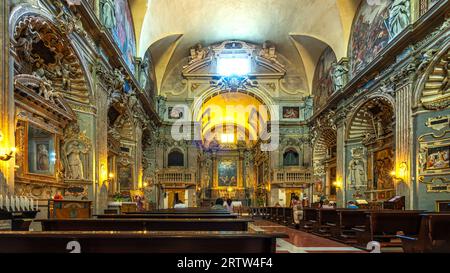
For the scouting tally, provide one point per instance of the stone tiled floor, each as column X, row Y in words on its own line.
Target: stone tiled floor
column 302, row 242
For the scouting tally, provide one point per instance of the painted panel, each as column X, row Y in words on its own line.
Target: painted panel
column 370, row 34
column 227, row 173
column 323, row 83
column 123, row 32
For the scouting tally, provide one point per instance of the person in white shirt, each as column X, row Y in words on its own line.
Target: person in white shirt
column 229, row 205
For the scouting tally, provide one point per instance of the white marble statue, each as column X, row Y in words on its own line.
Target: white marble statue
column 399, row 13
column 197, row 54
column 269, row 53
column 75, row 164
column 357, row 173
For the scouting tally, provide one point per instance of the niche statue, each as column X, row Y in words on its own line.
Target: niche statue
column 398, row 16
column 108, row 16
column 74, row 151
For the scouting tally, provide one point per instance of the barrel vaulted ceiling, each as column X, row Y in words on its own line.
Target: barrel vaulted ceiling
column 301, row 29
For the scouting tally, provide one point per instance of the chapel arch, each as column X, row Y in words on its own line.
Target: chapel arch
column 371, row 149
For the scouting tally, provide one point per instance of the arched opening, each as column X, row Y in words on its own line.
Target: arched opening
column 291, row 158
column 324, row 160
column 175, row 159
column 370, row 145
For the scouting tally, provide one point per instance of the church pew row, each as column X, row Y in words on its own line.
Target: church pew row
column 167, row 216
column 383, row 226
column 326, row 218
column 424, row 232
column 139, row 242
column 342, row 229
column 145, row 224
column 434, row 235
column 310, row 218
column 183, row 211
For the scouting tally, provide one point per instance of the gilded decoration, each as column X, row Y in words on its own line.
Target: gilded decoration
column 41, row 52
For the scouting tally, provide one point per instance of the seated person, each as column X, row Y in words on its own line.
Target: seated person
column 219, row 204
column 179, row 205
column 352, row 205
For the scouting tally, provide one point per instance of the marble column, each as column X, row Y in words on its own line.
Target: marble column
column 404, row 143
column 341, row 177
column 240, row 181
column 6, row 98
column 215, row 178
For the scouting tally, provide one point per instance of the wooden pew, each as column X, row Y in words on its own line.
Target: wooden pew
column 383, row 225
column 279, row 215
column 145, row 224
column 166, row 216
column 272, row 214
column 183, row 211
column 347, row 220
column 434, row 235
column 310, row 217
column 140, row 242
column 288, row 216
column 325, row 219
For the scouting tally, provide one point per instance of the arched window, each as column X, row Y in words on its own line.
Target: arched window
column 291, row 158
column 176, row 159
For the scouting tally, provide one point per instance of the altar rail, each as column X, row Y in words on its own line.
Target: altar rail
column 293, row 176
column 176, row 176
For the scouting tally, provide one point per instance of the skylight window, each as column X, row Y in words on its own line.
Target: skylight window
column 233, row 66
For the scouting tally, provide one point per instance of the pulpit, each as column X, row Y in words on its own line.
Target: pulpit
column 63, row 209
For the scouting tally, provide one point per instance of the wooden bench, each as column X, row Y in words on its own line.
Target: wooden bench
column 325, row 220
column 310, row 217
column 166, row 216
column 139, row 242
column 434, row 235
column 183, row 211
column 383, row 226
column 288, row 216
column 145, row 224
column 347, row 220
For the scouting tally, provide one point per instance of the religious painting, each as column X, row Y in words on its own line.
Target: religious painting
column 125, row 177
column 227, row 173
column 383, row 167
column 123, row 32
column 41, row 152
column 323, row 82
column 433, row 156
column 176, row 112
column 291, row 112
column 438, row 158
column 370, row 34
